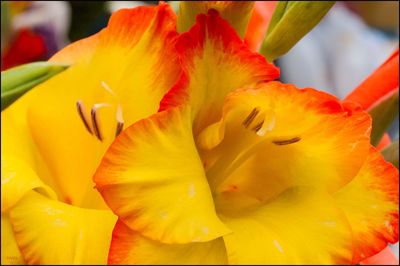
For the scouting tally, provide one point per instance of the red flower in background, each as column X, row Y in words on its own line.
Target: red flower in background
column 26, row 47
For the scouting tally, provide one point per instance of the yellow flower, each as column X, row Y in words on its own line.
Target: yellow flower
column 237, row 170
column 233, row 168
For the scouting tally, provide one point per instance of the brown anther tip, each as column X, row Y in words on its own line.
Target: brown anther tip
column 95, row 124
column 286, row 142
column 120, row 126
column 258, row 126
column 80, row 107
column 246, row 123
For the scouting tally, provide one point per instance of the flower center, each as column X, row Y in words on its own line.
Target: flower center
column 234, row 151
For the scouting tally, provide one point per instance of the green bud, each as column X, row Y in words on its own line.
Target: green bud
column 291, row 21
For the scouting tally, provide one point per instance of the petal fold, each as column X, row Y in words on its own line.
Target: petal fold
column 51, row 232
column 129, row 247
column 153, row 179
column 371, row 204
column 17, row 179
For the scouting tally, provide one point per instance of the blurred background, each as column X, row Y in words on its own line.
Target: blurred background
column 351, row 41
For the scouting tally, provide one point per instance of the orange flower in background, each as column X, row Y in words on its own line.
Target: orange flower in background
column 258, row 24
column 190, row 154
column 383, row 82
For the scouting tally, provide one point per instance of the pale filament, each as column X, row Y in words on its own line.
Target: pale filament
column 119, row 115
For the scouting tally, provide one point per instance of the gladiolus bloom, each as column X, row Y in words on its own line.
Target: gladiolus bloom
column 201, row 156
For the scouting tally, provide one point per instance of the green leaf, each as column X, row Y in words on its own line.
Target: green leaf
column 383, row 113
column 291, row 21
column 17, row 81
column 391, row 153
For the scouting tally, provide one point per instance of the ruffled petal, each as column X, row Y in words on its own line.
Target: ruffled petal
column 129, row 247
column 300, row 226
column 371, row 204
column 277, row 136
column 17, row 179
column 215, row 61
column 132, row 65
column 51, row 232
column 153, row 179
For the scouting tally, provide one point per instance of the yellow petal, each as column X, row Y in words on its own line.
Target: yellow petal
column 129, row 247
column 277, row 136
column 237, row 13
column 17, row 179
column 301, row 226
column 51, row 232
column 134, row 58
column 371, row 204
column 16, row 141
column 215, row 61
column 153, row 179
column 10, row 254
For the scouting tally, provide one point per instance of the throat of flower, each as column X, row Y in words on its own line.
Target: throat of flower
column 234, row 152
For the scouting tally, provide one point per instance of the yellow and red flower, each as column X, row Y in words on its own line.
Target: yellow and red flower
column 201, row 157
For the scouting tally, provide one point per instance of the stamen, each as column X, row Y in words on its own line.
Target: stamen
column 286, row 142
column 246, row 123
column 257, row 127
column 94, row 119
column 120, row 120
column 107, row 88
column 81, row 111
